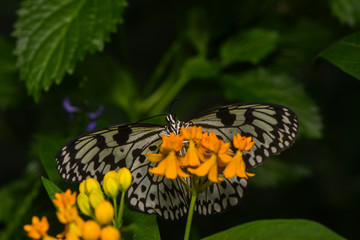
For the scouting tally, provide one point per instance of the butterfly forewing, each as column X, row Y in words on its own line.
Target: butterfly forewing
column 96, row 153
column 273, row 127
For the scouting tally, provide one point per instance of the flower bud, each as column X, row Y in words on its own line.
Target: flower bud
column 110, row 233
column 111, row 174
column 90, row 185
column 91, row 230
column 82, row 186
column 83, row 202
column 96, row 197
column 124, row 179
column 111, row 187
column 104, row 212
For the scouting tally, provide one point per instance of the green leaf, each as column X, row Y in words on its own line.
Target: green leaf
column 50, row 188
column 139, row 226
column 250, row 46
column 199, row 67
column 297, row 229
column 345, row 54
column 260, row 85
column 347, row 11
column 53, row 35
column 48, row 147
column 300, row 44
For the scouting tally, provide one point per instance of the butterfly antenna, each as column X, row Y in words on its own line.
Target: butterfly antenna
column 172, row 104
column 142, row 120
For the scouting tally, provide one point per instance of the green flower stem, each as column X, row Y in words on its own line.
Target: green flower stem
column 115, row 209
column 121, row 211
column 190, row 214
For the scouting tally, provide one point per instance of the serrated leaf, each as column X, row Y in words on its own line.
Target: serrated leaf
column 140, row 226
column 54, row 35
column 296, row 229
column 50, row 187
column 347, row 11
column 345, row 54
column 260, row 85
column 250, row 46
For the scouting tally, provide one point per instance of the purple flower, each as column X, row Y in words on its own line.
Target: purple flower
column 93, row 117
column 70, row 109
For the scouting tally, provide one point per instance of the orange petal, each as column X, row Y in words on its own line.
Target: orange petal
column 155, row 157
column 213, row 174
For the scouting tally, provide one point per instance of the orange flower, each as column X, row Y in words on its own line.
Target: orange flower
column 38, row 228
column 62, row 200
column 73, row 230
column 65, row 202
column 171, row 143
column 67, row 215
column 217, row 147
column 194, row 152
column 242, row 143
column 217, row 156
column 237, row 165
column 169, row 165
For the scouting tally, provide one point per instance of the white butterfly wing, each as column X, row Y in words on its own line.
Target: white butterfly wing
column 273, row 128
column 96, row 153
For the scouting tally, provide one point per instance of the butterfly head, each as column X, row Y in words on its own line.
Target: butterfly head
column 174, row 124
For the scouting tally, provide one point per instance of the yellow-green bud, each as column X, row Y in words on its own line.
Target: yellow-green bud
column 83, row 202
column 96, row 196
column 104, row 212
column 82, row 186
column 110, row 174
column 124, row 179
column 110, row 233
column 111, row 187
column 90, row 185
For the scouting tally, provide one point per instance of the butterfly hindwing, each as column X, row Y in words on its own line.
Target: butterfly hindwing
column 219, row 197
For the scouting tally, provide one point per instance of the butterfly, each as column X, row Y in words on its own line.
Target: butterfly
column 273, row 128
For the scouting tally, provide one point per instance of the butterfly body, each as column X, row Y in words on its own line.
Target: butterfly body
column 273, row 128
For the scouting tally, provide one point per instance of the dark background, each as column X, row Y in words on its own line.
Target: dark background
column 327, row 191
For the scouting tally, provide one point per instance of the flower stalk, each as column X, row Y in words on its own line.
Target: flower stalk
column 194, row 194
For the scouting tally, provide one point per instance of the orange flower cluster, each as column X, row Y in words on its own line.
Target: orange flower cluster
column 106, row 220
column 75, row 227
column 201, row 154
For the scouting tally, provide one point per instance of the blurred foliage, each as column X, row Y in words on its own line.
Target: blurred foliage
column 135, row 58
column 345, row 54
